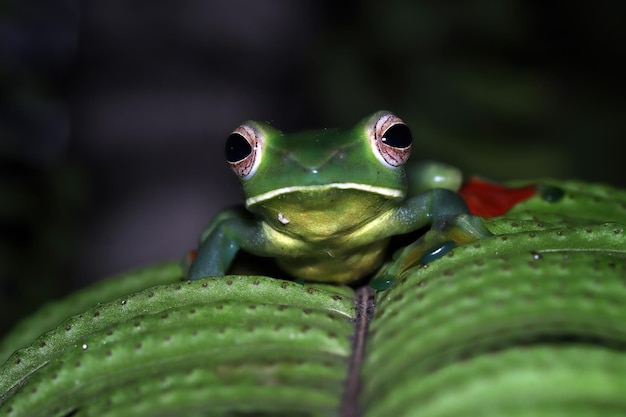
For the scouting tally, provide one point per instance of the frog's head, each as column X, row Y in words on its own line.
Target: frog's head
column 342, row 178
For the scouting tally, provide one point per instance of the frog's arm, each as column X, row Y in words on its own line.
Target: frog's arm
column 443, row 210
column 451, row 225
column 220, row 241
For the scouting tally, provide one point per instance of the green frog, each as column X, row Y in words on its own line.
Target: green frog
column 325, row 203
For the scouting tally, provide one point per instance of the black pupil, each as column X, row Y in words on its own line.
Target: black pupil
column 237, row 148
column 398, row 136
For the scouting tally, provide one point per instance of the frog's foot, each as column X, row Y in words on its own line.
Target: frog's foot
column 442, row 238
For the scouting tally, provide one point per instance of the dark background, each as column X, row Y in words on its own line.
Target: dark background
column 113, row 113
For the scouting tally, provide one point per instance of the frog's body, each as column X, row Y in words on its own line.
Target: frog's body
column 325, row 203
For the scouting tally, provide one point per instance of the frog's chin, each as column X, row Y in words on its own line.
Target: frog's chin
column 386, row 192
column 322, row 213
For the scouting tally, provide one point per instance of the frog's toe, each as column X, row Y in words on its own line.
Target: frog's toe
column 465, row 228
column 428, row 248
column 437, row 251
column 382, row 282
column 458, row 231
column 438, row 241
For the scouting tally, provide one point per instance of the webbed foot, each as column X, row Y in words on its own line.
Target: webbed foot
column 434, row 244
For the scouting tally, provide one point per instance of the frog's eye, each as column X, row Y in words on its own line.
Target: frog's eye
column 243, row 150
column 391, row 140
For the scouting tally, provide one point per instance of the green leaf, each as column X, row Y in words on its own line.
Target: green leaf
column 286, row 343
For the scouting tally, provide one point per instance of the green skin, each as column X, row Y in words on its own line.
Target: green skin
column 325, row 203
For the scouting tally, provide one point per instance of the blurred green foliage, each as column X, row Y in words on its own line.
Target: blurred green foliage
column 41, row 191
column 507, row 89
column 37, row 227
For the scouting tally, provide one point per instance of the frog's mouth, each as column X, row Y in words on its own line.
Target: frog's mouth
column 391, row 193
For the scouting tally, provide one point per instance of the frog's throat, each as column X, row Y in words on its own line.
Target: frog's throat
column 384, row 191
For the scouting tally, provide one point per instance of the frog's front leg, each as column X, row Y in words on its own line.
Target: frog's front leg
column 451, row 224
column 230, row 231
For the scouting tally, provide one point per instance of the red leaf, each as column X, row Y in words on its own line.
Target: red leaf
column 487, row 199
